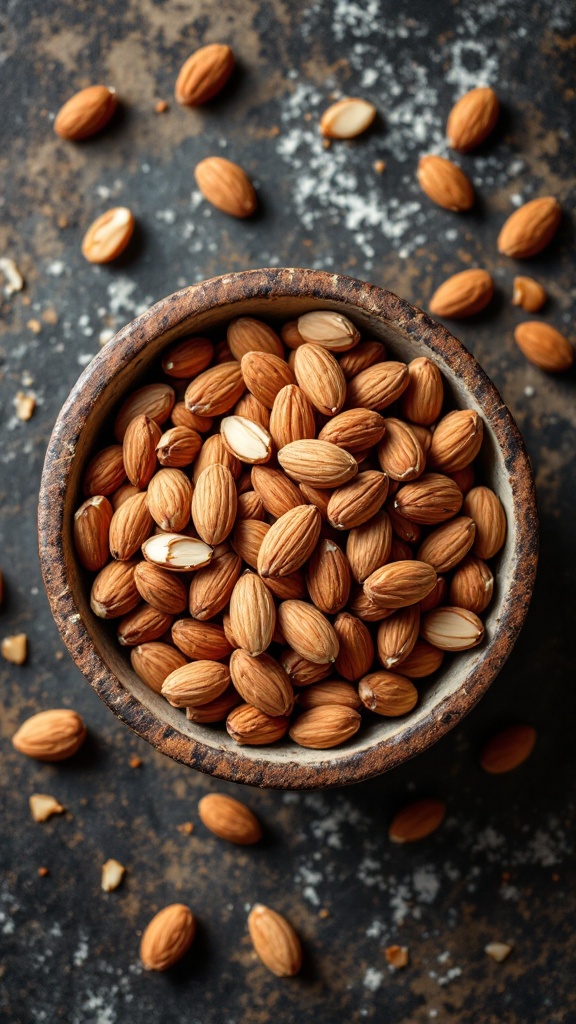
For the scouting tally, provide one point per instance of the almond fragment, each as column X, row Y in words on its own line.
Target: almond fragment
column 204, row 74
column 328, row 577
column 530, row 228
column 445, row 183
column 50, row 735
column 91, row 525
column 400, row 453
column 229, row 819
column 472, row 119
column 463, row 294
column 456, row 441
column 248, row 441
column 153, row 400
column 347, row 118
column 318, row 463
column 529, row 294
column 252, row 616
column 290, row 541
column 262, row 682
column 195, row 683
column 275, row 941
column 188, row 358
column 355, row 647
column 129, row 527
column 167, row 937
column 201, row 640
column 153, row 662
column 320, row 377
column 333, row 691
column 448, row 544
column 369, row 546
column 356, row 430
column 308, row 631
column 508, row 749
column 43, row 806
column 544, row 346
column 378, row 386
column 400, row 583
column 245, row 334
column 397, row 956
column 86, row 113
column 422, row 400
column 226, row 186
column 472, row 585
column 417, row 821
column 452, row 629
column 216, row 390
column 329, row 329
column 214, row 504
column 325, row 726
column 498, row 951
column 388, row 694
column 250, row 727
column 112, row 874
column 176, row 552
column 357, row 501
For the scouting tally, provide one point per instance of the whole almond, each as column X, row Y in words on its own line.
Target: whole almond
column 153, row 400
column 50, row 735
column 399, row 584
column 129, row 527
column 448, row 544
column 247, row 539
column 248, row 441
column 463, row 294
column 445, row 183
column 456, row 441
column 388, row 694
column 177, row 552
column 366, row 607
column 161, row 589
column 347, row 118
column 108, row 235
column 329, row 329
column 472, row 119
column 216, row 710
column 215, row 453
column 544, row 346
column 152, row 662
column 250, row 727
column 178, row 447
column 216, row 390
column 318, row 463
column 356, row 649
column 368, row 546
column 508, row 749
column 397, row 636
column 262, row 682
column 316, row 496
column 292, row 416
column 357, row 501
column 252, row 616
column 400, row 453
column 139, row 450
column 290, row 541
column 355, row 430
column 245, row 334
column 301, row 671
column 485, row 508
column 265, row 375
column 91, row 526
column 422, row 400
column 377, row 386
column 169, row 498
column 275, row 941
column 328, row 577
column 105, row 472
column 277, row 493
column 188, row 358
column 423, row 660
column 333, row 691
column 212, row 586
column 195, row 683
column 250, row 506
column 325, row 726
column 472, row 585
column 143, row 625
column 463, row 478
column 214, row 504
column 203, row 75
column 182, row 417
column 229, row 819
column 226, row 186
column 86, row 113
column 252, row 409
column 417, row 820
column 363, row 355
column 113, row 591
column 320, row 377
column 528, row 293
column 431, row 499
column 530, row 228
column 167, row 937
column 201, row 640
column 308, row 631
column 291, row 335
column 405, row 529
column 452, row 629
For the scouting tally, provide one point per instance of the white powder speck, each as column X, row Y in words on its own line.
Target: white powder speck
column 375, row 930
column 529, row 391
column 168, row 216
column 80, row 954
column 55, row 268
column 84, row 358
column 373, row 979
column 426, row 884
column 451, row 974
column 511, row 893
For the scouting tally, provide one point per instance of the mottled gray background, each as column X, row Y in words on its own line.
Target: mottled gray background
column 501, row 866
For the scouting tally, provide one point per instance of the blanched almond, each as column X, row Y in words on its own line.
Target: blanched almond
column 329, row 329
column 452, row 629
column 247, row 440
column 176, row 552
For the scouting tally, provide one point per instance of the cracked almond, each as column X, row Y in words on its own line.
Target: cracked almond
column 528, row 293
column 452, row 629
column 108, row 235
column 347, row 118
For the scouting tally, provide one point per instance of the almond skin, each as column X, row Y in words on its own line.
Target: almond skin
column 463, row 294
column 161, row 589
column 108, row 235
column 400, row 583
column 417, row 820
column 456, row 441
column 201, row 640
column 50, row 735
column 328, row 577
column 229, row 819
column 275, row 941
column 347, row 118
column 91, row 526
column 357, row 501
column 445, row 184
column 530, row 228
column 320, row 377
column 204, row 74
column 326, row 726
column 226, row 186
column 388, row 694
column 355, row 647
column 252, row 409
column 508, row 749
column 308, row 631
column 262, row 682
column 86, row 113
column 544, row 346
column 152, row 662
column 290, row 541
column 431, row 499
column 485, row 508
column 130, row 525
column 318, row 463
column 355, row 430
column 167, row 937
column 472, row 119
column 250, row 727
column 216, row 390
column 153, row 400
column 377, row 386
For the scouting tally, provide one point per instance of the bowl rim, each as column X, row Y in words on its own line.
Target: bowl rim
column 252, row 767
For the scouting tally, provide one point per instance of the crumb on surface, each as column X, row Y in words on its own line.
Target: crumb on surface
column 379, row 166
column 44, row 806
column 25, row 405
column 34, row 325
column 498, row 951
column 112, row 874
column 397, row 956
column 15, row 648
column 135, row 761
column 161, row 107
column 43, row 871
column 186, row 828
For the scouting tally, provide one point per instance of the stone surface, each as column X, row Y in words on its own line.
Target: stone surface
column 501, row 867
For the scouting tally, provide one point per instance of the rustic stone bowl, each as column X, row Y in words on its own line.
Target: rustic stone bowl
column 81, row 429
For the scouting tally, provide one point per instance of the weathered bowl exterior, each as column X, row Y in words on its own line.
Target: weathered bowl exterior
column 408, row 333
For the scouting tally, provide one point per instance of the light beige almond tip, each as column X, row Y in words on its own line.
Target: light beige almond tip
column 347, row 118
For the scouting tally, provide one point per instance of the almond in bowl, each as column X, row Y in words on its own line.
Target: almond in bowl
column 288, row 593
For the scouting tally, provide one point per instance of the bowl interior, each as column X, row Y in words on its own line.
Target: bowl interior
column 131, row 359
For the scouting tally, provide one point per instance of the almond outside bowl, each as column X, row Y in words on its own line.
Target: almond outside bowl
column 83, row 427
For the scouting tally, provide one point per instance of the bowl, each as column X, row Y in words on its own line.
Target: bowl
column 122, row 365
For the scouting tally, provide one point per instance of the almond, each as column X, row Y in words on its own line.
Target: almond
column 529, row 294
column 188, row 358
column 463, row 294
column 245, row 334
column 499, row 951
column 448, row 544
column 355, row 650
column 326, row 726
column 397, row 956
column 167, row 937
column 431, row 499
column 397, row 636
column 275, row 941
column 50, row 735
column 472, row 119
column 201, row 640
column 142, row 625
column 252, row 616
column 544, row 346
column 320, row 377
column 308, row 631
column 368, row 546
column 216, row 710
column 377, row 386
column 291, row 335
column 252, row 409
column 423, row 660
column 161, row 589
column 435, row 597
column 318, row 463
column 334, row 691
column 328, row 329
column 358, row 501
column 485, row 508
column 400, row 583
column 195, row 683
column 301, row 671
column 262, row 682
column 388, row 694
column 153, row 400
column 86, row 113
column 247, row 440
column 226, row 186
column 91, row 525
column 265, row 375
column 530, row 228
column 417, row 820
column 463, row 478
column 247, row 539
column 108, row 235
column 456, row 441
column 176, row 552
column 292, row 416
column 347, row 118
column 366, row 607
column 139, row 450
column 400, row 453
column 178, row 447
column 153, row 662
column 508, row 749
column 422, row 400
column 445, row 183
column 316, row 496
column 472, row 585
column 363, row 355
column 251, row 727
column 452, row 629
column 215, row 453
column 212, row 586
column 112, row 874
column 405, row 529
column 216, row 390
column 355, row 430
column 43, row 806
column 182, row 417
column 113, row 591
column 129, row 527
column 277, row 493
column 229, row 819
column 105, row 472
column 328, row 577
column 203, row 75
column 214, row 504
column 290, row 541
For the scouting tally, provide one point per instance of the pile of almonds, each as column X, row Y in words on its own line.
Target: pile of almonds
column 275, row 546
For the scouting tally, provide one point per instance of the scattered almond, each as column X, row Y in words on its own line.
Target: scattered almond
column 15, row 648
column 275, row 941
column 112, row 874
column 544, row 346
column 472, row 119
column 530, row 228
column 204, row 74
column 417, row 821
column 229, row 819
column 25, row 405
column 498, row 951
column 226, row 186
column 86, row 113
column 347, row 118
column 529, row 294
column 508, row 749
column 50, row 735
column 167, row 937
column 108, row 236
column 463, row 294
column 445, row 183
column 397, row 956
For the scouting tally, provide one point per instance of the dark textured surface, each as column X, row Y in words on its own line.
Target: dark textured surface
column 502, row 865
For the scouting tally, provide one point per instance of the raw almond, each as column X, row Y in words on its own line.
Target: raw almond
column 142, row 625
column 265, row 375
column 252, row 409
column 333, row 691
column 182, row 417
column 472, row 585
column 153, row 400
column 456, row 441
column 316, row 496
column 247, row 440
column 452, row 629
column 229, row 819
column 485, row 508
column 358, row 501
column 212, row 586
column 247, row 539
column 463, row 478
column 326, row 726
column 216, row 710
column 195, row 683
column 291, row 335
column 201, row 640
column 250, row 727
column 530, row 228
column 355, row 430
column 417, row 820
column 377, row 386
column 399, row 584
column 214, row 504
column 176, row 552
column 318, row 463
column 405, row 529
column 250, row 506
column 50, row 735
column 226, row 186
column 445, row 183
column 308, row 631
column 508, row 749
column 139, row 450
column 262, row 682
column 167, row 937
column 188, row 358
column 161, row 589
column 472, row 119
column 91, row 525
column 292, row 416
column 122, row 494
column 153, row 662
column 277, row 493
column 329, row 329
column 105, row 472
column 245, row 334
column 397, row 636
column 215, row 453
column 388, row 694
column 252, row 615
column 429, row 500
column 108, row 235
column 178, row 447
column 355, row 647
column 448, row 544
column 424, row 395
column 400, row 453
column 529, row 294
column 203, row 75
column 544, row 346
column 113, row 591
column 328, row 577
column 275, row 941
column 290, row 541
column 86, row 113
column 320, row 377
column 368, row 546
column 347, row 118
column 463, row 294
column 423, row 660
column 216, row 390
column 301, row 671
column 363, row 355
column 129, row 527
